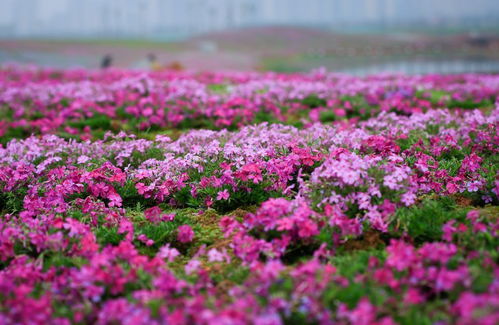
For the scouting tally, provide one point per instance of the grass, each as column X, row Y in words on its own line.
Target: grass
column 423, row 222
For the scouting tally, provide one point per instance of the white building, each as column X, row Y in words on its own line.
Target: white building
column 180, row 18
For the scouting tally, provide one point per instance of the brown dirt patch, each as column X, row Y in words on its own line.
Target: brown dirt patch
column 463, row 201
column 370, row 239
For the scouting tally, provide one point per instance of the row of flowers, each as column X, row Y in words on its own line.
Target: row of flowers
column 439, row 281
column 125, row 229
column 83, row 104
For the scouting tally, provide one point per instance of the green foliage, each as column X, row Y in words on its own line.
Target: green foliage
column 327, row 116
column 453, row 156
column 423, row 222
column 234, row 273
column 108, row 236
column 131, row 197
column 189, row 123
column 14, row 133
column 432, row 129
column 11, row 202
column 218, row 88
column 6, row 113
column 263, row 116
column 297, row 252
column 444, row 98
column 469, row 103
column 349, row 265
column 296, row 318
column 65, row 102
column 161, row 233
column 120, row 112
column 481, row 241
column 313, row 101
column 413, row 137
column 59, row 259
column 143, row 281
column 451, row 165
column 25, row 249
column 256, row 196
column 97, row 121
column 417, row 315
column 481, row 279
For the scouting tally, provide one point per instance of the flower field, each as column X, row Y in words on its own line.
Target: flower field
column 248, row 198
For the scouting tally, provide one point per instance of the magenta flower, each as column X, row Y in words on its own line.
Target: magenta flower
column 192, row 266
column 147, row 241
column 168, row 253
column 223, row 195
column 153, row 214
column 448, row 230
column 215, row 256
column 400, row 255
column 413, row 297
column 185, row 234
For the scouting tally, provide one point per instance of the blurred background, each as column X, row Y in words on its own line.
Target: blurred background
column 352, row 36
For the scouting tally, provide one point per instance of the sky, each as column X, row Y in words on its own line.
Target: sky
column 184, row 18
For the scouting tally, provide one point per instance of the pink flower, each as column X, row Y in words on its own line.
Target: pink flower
column 400, row 255
column 363, row 314
column 452, row 188
column 192, row 266
column 152, row 214
column 75, row 227
column 168, row 253
column 168, row 217
column 82, row 159
column 479, row 227
column 446, row 279
column 449, row 230
column 223, row 195
column 185, row 234
column 307, row 228
column 413, row 297
column 473, row 186
column 114, row 199
column 473, row 215
column 208, row 201
column 143, row 238
column 155, row 215
column 215, row 256
column 408, row 198
column 340, row 112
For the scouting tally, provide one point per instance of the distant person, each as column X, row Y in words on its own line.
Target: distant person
column 153, row 62
column 106, row 62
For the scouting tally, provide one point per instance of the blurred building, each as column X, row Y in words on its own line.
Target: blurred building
column 182, row 18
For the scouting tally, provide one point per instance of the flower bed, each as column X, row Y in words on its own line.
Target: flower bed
column 242, row 198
